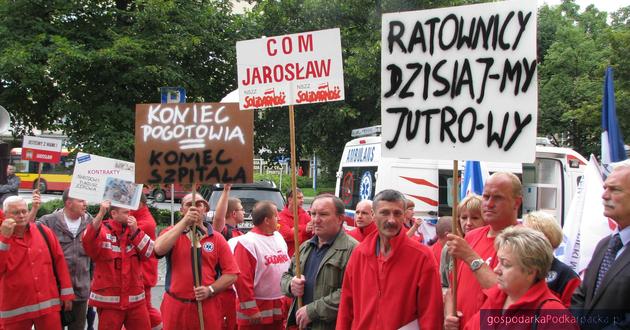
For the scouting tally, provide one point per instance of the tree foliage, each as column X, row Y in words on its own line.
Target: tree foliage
column 575, row 48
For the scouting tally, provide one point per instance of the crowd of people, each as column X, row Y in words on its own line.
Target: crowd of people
column 385, row 273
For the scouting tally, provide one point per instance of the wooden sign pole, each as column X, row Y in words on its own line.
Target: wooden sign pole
column 195, row 242
column 457, row 231
column 296, row 231
column 39, row 176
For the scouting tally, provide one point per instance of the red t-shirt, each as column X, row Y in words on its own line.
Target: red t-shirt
column 437, row 253
column 470, row 296
column 179, row 276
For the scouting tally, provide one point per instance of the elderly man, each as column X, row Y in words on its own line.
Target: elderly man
column 68, row 224
column 364, row 219
column 391, row 280
column 117, row 246
column 262, row 258
column 323, row 261
column 179, row 307
column 606, row 288
column 29, row 291
column 12, row 186
column 476, row 254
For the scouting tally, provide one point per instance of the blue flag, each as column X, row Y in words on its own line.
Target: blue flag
column 473, row 179
column 612, row 141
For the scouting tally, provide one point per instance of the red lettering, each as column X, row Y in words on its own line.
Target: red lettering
column 287, row 45
column 305, row 43
column 322, row 94
column 271, row 51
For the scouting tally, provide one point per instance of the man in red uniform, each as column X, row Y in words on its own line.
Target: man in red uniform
column 146, row 222
column 364, row 219
column 29, row 291
column 116, row 247
column 228, row 215
column 286, row 221
column 391, row 280
column 442, row 228
column 179, row 307
column 476, row 255
column 262, row 258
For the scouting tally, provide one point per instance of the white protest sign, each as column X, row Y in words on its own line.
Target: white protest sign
column 292, row 69
column 97, row 178
column 460, row 83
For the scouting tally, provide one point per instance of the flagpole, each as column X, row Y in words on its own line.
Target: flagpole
column 296, row 232
column 195, row 242
column 457, row 231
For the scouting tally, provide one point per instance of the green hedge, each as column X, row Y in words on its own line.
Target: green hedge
column 303, row 182
column 162, row 217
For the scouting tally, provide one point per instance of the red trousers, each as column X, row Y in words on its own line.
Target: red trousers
column 51, row 320
column 114, row 319
column 155, row 317
column 228, row 307
column 179, row 315
column 276, row 325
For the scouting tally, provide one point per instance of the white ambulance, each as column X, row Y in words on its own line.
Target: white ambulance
column 548, row 184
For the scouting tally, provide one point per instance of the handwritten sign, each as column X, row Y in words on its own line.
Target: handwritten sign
column 291, row 69
column 42, row 150
column 460, row 82
column 194, row 143
column 97, row 178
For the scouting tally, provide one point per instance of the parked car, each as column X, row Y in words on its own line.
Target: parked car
column 249, row 194
column 162, row 192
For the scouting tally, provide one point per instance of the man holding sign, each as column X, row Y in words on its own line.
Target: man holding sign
column 179, row 307
column 116, row 247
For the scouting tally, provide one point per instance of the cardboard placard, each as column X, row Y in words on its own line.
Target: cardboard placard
column 292, row 69
column 97, row 178
column 460, row 83
column 194, row 143
column 43, row 150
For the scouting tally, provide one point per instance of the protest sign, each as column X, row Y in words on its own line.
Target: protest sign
column 97, row 178
column 194, row 143
column 43, row 150
column 460, row 83
column 292, row 69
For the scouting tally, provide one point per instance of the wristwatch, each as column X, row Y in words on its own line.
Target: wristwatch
column 476, row 264
column 211, row 290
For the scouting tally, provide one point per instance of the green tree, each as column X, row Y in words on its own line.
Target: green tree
column 83, row 65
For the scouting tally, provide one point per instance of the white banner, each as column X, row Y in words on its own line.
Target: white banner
column 460, row 83
column 97, row 178
column 292, row 69
column 586, row 224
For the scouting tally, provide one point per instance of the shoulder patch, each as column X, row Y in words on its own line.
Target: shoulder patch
column 208, row 246
column 551, row 276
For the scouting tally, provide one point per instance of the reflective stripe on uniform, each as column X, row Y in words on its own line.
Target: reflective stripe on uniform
column 129, row 248
column 136, row 298
column 144, row 242
column 30, row 308
column 105, row 299
column 67, row 291
column 4, row 246
column 266, row 313
column 248, row 304
column 109, row 246
column 149, row 252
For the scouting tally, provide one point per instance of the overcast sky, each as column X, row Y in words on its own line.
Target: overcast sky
column 603, row 5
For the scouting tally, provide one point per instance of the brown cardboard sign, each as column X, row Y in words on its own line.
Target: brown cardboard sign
column 194, row 143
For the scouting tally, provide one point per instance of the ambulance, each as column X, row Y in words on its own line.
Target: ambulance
column 549, row 183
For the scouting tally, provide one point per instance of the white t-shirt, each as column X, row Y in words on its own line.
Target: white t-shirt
column 73, row 224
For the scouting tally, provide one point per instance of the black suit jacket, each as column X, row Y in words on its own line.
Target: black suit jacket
column 614, row 292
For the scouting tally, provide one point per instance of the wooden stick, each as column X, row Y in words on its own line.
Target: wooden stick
column 195, row 258
column 457, row 231
column 296, row 230
column 39, row 176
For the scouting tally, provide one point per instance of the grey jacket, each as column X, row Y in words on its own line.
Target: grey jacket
column 323, row 310
column 78, row 261
column 11, row 188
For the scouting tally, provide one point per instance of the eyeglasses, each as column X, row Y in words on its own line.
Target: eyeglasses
column 19, row 212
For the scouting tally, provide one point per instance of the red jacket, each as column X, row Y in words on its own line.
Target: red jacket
column 361, row 233
column 285, row 228
column 116, row 253
column 391, row 293
column 27, row 280
column 146, row 222
column 537, row 300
